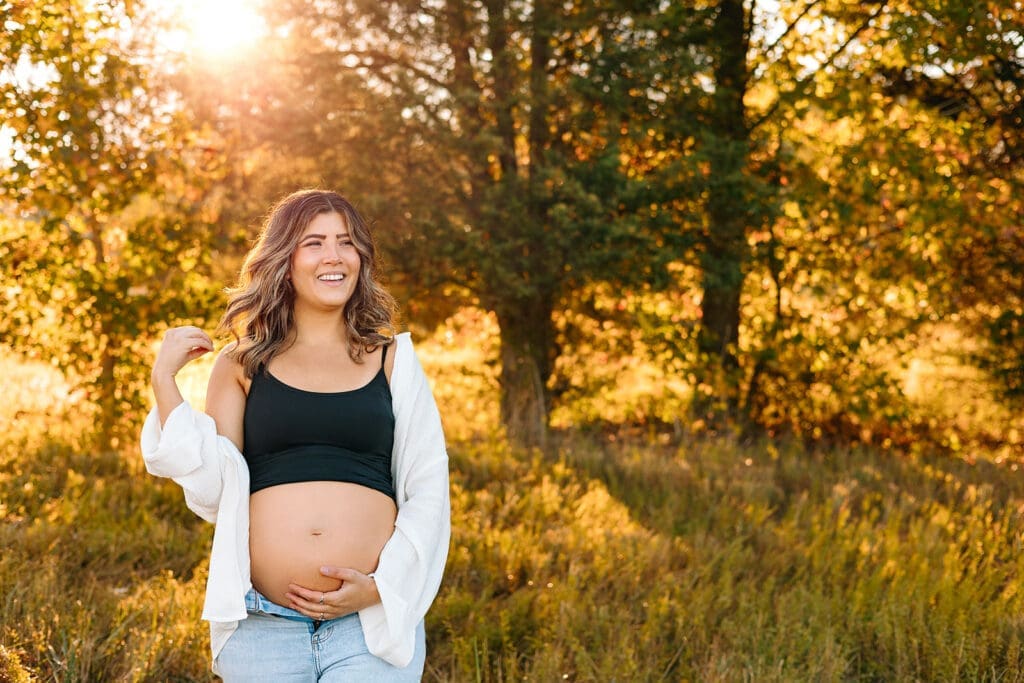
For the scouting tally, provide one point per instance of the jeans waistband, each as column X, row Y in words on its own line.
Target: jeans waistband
column 257, row 602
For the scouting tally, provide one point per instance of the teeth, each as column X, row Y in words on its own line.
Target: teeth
column 331, row 276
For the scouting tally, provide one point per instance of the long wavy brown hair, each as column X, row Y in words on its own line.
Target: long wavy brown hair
column 260, row 310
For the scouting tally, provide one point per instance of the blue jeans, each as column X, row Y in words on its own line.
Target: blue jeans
column 276, row 643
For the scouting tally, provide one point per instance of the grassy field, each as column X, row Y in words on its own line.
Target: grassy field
column 608, row 558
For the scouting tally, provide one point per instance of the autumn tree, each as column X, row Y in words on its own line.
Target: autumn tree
column 103, row 230
column 818, row 144
column 493, row 152
column 967, row 69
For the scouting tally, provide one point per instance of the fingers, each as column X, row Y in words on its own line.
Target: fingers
column 189, row 335
column 179, row 346
column 314, row 603
column 308, row 602
column 356, row 592
column 343, row 573
column 306, row 595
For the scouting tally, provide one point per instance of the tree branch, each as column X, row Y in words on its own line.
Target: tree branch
column 792, row 25
column 385, row 60
column 802, row 84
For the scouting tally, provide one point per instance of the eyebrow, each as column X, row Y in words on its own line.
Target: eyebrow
column 322, row 237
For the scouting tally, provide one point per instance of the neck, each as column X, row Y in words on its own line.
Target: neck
column 319, row 328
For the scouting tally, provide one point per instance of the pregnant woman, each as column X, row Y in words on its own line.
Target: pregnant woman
column 320, row 458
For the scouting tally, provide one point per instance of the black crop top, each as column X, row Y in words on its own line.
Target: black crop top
column 293, row 435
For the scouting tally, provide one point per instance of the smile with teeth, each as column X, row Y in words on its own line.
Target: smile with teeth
column 331, row 277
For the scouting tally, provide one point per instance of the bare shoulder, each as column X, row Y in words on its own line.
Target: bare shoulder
column 389, row 359
column 227, row 367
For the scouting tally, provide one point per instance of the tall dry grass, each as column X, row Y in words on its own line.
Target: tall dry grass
column 604, row 559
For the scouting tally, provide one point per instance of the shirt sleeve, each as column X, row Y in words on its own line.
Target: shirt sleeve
column 212, row 473
column 186, row 450
column 412, row 562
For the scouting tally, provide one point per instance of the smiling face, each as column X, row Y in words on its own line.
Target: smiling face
column 325, row 264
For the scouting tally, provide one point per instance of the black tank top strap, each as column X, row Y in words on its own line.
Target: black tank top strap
column 383, row 354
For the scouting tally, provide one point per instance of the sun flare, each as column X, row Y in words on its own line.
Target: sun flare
column 218, row 29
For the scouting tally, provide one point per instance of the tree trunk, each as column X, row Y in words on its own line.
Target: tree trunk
column 526, row 342
column 525, row 320
column 107, row 400
column 106, row 387
column 725, row 247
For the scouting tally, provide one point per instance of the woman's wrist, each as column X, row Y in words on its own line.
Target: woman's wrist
column 375, row 593
column 168, row 396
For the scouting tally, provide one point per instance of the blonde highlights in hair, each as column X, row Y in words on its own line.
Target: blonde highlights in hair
column 260, row 310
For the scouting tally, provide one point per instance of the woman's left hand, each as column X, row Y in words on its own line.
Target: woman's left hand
column 357, row 591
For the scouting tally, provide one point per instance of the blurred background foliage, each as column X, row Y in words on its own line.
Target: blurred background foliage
column 609, row 223
column 772, row 206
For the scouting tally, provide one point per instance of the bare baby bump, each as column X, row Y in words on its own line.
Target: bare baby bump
column 294, row 529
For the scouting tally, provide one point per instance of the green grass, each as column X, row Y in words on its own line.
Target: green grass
column 604, row 559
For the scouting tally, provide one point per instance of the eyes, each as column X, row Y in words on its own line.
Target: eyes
column 317, row 242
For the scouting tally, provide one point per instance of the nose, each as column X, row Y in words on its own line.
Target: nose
column 332, row 253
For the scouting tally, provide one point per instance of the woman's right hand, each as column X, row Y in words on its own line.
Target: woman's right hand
column 179, row 346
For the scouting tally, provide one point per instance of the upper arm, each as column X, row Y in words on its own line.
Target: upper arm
column 225, row 397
